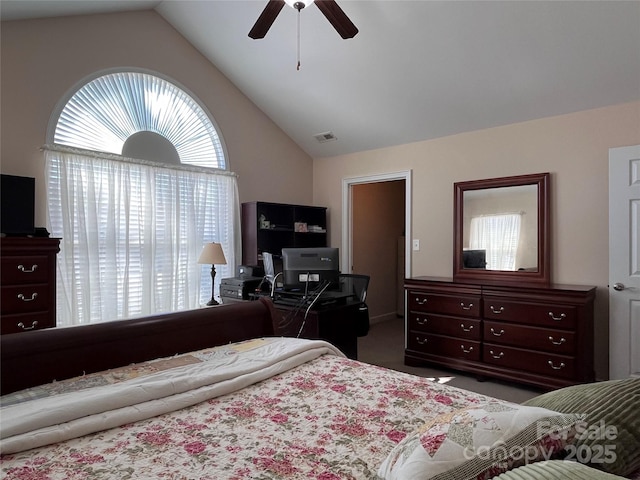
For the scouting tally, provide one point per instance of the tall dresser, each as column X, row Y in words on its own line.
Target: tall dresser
column 538, row 335
column 28, row 283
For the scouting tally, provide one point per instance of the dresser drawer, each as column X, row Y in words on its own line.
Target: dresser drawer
column 27, row 283
column 558, row 316
column 448, row 347
column 560, row 366
column 547, row 339
column 466, row 306
column 24, row 269
column 24, row 322
column 444, row 325
column 25, row 298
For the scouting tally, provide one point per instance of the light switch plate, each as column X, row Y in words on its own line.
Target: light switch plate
column 416, row 244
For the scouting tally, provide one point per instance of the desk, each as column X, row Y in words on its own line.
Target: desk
column 334, row 323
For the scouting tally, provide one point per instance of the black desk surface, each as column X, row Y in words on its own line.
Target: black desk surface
column 327, row 299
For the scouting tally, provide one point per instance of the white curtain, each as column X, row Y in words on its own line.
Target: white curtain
column 132, row 232
column 499, row 236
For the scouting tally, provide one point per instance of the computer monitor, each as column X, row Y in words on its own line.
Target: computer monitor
column 474, row 259
column 305, row 269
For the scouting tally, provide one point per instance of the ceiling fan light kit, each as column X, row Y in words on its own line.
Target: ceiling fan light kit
column 329, row 8
column 298, row 4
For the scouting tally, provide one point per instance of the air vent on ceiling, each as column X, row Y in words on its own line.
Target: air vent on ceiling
column 325, row 137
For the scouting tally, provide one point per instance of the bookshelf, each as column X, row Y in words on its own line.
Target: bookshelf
column 270, row 227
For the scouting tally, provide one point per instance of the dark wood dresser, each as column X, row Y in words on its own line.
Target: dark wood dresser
column 28, row 283
column 538, row 335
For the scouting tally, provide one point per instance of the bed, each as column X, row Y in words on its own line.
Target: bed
column 213, row 394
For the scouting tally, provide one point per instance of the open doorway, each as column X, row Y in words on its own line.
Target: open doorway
column 376, row 232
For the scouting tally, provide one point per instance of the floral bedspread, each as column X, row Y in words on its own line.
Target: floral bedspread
column 330, row 418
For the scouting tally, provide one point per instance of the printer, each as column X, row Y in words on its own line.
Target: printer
column 247, row 280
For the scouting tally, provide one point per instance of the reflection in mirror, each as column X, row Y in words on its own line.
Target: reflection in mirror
column 500, row 228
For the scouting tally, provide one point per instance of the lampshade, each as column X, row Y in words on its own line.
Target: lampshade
column 212, row 254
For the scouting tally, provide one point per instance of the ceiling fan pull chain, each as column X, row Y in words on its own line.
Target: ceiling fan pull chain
column 298, row 66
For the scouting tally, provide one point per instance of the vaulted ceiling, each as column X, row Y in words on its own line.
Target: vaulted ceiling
column 416, row 70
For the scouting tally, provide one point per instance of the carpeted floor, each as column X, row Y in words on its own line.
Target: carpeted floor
column 384, row 346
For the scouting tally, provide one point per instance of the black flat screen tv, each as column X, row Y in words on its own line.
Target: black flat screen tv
column 306, row 269
column 17, row 207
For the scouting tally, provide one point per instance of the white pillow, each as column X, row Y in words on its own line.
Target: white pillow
column 479, row 442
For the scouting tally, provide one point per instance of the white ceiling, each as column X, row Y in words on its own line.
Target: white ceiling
column 417, row 70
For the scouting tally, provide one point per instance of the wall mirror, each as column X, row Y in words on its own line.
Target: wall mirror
column 501, row 230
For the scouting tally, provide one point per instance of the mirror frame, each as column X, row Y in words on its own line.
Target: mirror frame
column 498, row 277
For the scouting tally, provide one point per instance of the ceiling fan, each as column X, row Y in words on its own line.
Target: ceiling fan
column 329, row 8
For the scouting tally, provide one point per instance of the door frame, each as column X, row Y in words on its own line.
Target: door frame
column 347, row 213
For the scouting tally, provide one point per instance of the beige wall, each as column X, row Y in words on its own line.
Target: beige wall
column 574, row 148
column 43, row 60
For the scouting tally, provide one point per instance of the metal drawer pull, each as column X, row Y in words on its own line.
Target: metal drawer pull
column 558, row 342
column 22, row 268
column 466, row 351
column 34, row 324
column 421, row 321
column 421, row 301
column 466, row 307
column 560, row 367
column 495, row 310
column 497, row 334
column 34, row 295
column 421, row 341
column 465, row 329
column 557, row 319
column 500, row 355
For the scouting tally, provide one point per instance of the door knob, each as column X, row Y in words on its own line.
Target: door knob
column 618, row 286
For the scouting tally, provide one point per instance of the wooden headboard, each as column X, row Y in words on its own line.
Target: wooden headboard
column 42, row 356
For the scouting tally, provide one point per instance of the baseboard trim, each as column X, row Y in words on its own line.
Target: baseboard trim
column 383, row 318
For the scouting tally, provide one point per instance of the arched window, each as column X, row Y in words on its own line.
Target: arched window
column 108, row 111
column 137, row 183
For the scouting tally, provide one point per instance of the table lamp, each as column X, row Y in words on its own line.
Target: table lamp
column 212, row 254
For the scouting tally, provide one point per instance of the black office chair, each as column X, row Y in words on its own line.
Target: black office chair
column 357, row 285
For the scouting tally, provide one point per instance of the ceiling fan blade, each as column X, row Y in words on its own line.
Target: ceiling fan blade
column 266, row 19
column 337, row 18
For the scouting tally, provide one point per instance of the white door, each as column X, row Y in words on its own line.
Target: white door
column 624, row 262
